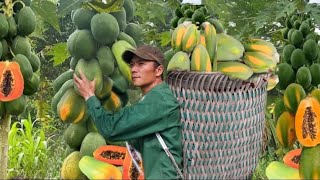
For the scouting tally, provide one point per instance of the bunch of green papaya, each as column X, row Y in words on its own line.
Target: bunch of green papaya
column 201, row 44
column 300, row 56
column 96, row 48
column 19, row 63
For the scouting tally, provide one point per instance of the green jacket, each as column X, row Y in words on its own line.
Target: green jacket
column 157, row 111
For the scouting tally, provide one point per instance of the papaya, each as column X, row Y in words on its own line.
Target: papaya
column 104, row 28
column 279, row 170
column 260, row 45
column 309, row 49
column 126, row 37
column 210, row 36
column 70, row 169
column 217, row 24
column 25, row 66
column 228, row 48
column 130, row 9
column 119, row 81
column 167, row 57
column 304, row 77
column 177, row 36
column 5, row 48
column 235, row 70
column 17, row 106
column 309, row 165
column 112, row 103
column 178, row 12
column 285, row 129
column 90, row 143
column 91, row 70
column 174, row 22
column 74, row 135
column 286, row 75
column 21, row 45
column 290, row 33
column 296, row 38
column 259, row 62
column 287, row 52
column 81, row 44
column 11, row 79
column 34, row 62
column 297, row 24
column 298, row 59
column 106, row 60
column 304, row 28
column 95, row 169
column 120, row 17
column 279, row 108
column 118, row 48
column 307, row 122
column 316, row 94
column 56, row 98
column 180, row 62
column 135, row 31
column 13, row 29
column 188, row 13
column 285, row 33
column 200, row 59
column 293, row 94
column 130, row 171
column 198, row 16
column 272, row 82
column 31, row 86
column 72, row 108
column 73, row 62
column 106, row 89
column 292, row 158
column 61, row 79
column 91, row 126
column 4, row 26
column 26, row 21
column 82, row 18
column 111, row 154
column 190, row 38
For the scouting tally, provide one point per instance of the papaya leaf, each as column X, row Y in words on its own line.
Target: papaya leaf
column 314, row 9
column 47, row 10
column 66, row 6
column 59, row 52
column 300, row 5
column 165, row 38
column 111, row 6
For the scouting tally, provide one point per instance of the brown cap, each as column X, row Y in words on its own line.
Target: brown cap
column 146, row 52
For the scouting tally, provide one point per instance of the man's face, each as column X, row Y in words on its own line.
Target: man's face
column 144, row 72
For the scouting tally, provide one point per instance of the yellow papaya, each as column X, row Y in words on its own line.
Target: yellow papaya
column 260, row 45
column 177, row 35
column 200, row 60
column 235, row 70
column 211, row 42
column 190, row 38
column 180, row 61
column 285, row 130
column 259, row 62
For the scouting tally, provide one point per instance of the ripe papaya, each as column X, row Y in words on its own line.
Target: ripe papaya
column 190, row 38
column 95, row 169
column 279, row 170
column 279, row 108
column 56, row 98
column 228, row 48
column 292, row 158
column 112, row 103
column 210, row 36
column 200, row 59
column 316, row 94
column 307, row 122
column 259, row 62
column 235, row 70
column 111, row 154
column 285, row 129
column 293, row 94
column 11, row 81
column 260, row 45
column 177, row 36
column 180, row 61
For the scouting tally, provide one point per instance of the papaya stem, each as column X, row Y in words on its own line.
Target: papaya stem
column 4, row 145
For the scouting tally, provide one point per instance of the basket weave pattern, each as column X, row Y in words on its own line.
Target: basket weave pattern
column 223, row 122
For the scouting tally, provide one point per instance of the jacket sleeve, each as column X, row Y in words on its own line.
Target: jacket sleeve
column 133, row 121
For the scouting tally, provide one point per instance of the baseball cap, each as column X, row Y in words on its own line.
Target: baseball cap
column 146, row 52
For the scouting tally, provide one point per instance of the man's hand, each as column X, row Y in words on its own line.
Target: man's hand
column 86, row 88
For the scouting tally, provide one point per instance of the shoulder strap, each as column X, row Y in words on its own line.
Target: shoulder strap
column 166, row 149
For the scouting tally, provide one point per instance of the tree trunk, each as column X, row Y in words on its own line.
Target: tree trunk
column 4, row 145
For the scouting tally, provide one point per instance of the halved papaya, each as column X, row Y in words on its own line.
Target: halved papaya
column 292, row 158
column 114, row 155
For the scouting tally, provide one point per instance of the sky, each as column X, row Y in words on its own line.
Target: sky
column 314, row 1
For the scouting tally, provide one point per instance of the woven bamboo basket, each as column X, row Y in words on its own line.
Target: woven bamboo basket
column 223, row 122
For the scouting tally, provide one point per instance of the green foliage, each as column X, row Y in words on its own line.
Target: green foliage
column 59, row 52
column 65, row 7
column 28, row 150
column 47, row 10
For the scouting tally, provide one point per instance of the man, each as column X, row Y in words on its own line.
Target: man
column 157, row 111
